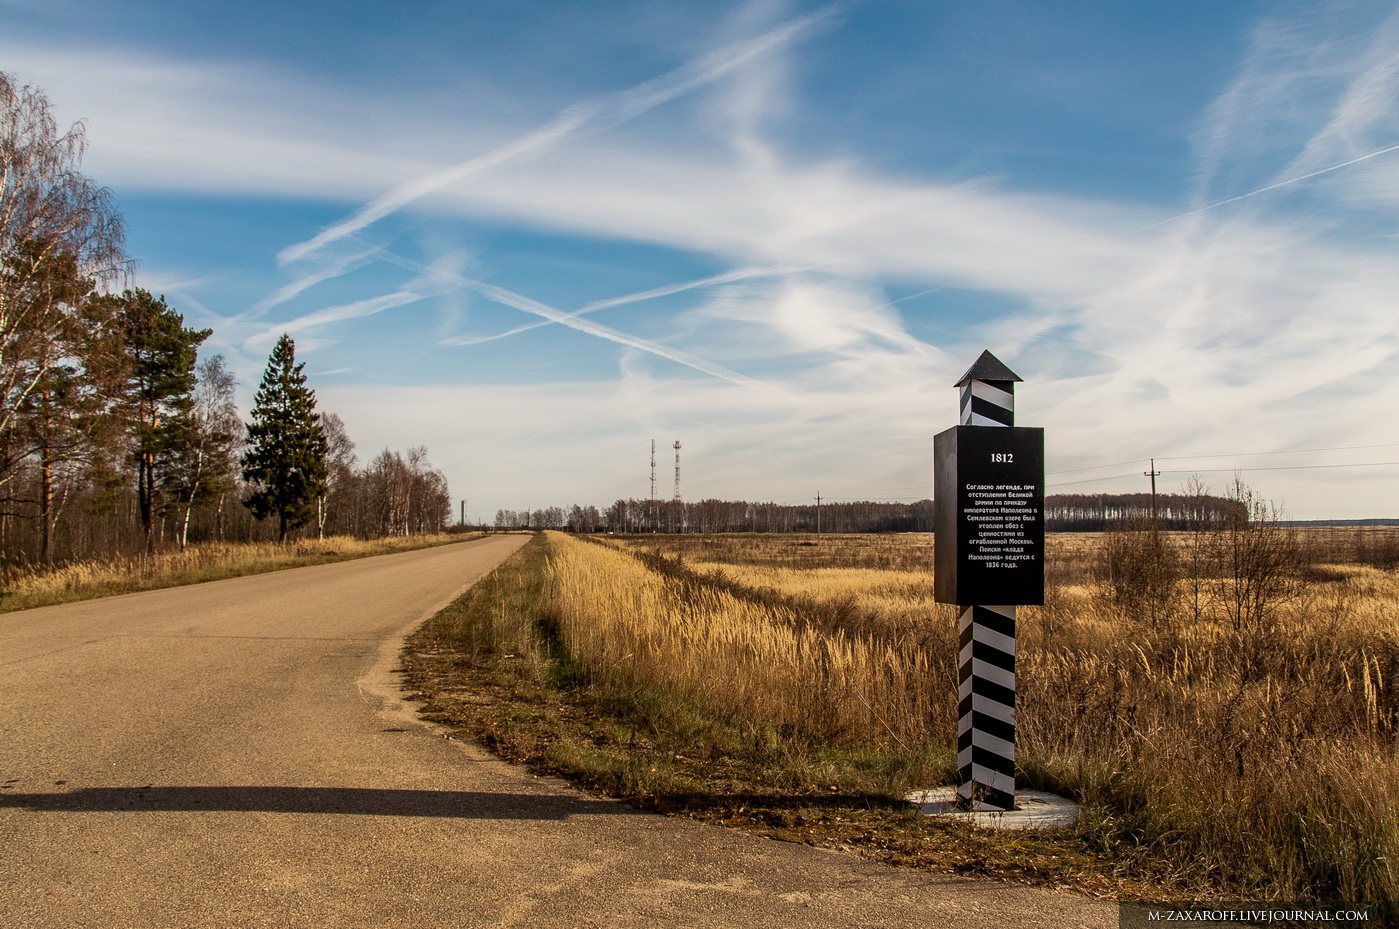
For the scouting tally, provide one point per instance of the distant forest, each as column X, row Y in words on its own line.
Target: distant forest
column 1063, row 513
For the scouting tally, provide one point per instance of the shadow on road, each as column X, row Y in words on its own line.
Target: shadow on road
column 351, row 801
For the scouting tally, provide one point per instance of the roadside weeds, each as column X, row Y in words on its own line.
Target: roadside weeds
column 22, row 589
column 490, row 668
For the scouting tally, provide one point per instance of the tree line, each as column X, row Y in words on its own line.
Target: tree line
column 1063, row 513
column 115, row 435
column 633, row 515
column 1096, row 512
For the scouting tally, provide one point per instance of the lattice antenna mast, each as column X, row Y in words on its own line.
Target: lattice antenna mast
column 677, row 470
column 652, row 516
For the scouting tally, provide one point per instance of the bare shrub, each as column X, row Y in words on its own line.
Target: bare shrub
column 1138, row 569
column 1259, row 559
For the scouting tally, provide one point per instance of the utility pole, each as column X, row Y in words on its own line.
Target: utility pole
column 1153, row 474
column 462, row 520
column 818, row 516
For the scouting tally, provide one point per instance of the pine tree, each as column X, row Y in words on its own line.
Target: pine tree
column 285, row 460
column 160, row 355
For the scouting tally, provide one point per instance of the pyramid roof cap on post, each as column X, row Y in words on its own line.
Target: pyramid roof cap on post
column 988, row 368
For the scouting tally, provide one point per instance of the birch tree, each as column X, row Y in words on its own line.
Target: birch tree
column 60, row 235
column 202, row 466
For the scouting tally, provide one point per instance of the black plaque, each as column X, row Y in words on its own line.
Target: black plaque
column 988, row 490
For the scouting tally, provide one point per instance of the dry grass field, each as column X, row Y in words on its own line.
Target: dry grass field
column 1222, row 702
column 22, row 588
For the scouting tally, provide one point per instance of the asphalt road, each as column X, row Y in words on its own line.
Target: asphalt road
column 235, row 754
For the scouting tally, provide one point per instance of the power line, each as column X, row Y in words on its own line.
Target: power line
column 1293, row 451
column 1114, row 477
column 1153, row 474
column 1091, row 480
column 1353, row 464
column 1115, row 464
column 1289, row 451
column 854, row 496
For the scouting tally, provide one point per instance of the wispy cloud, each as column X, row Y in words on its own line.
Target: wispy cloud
column 433, row 281
column 1269, row 188
column 1317, row 91
column 655, row 293
column 573, row 321
column 739, row 274
column 358, row 309
column 599, row 113
column 1364, row 110
column 561, row 126
column 329, row 271
column 1259, row 315
column 444, row 275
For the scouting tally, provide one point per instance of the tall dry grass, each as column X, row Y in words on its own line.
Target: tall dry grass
column 22, row 588
column 1224, row 703
column 747, row 657
column 1252, row 745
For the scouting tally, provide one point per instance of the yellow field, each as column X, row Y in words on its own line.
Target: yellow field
column 747, row 658
column 1222, row 702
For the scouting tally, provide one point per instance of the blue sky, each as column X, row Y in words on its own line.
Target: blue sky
column 536, row 236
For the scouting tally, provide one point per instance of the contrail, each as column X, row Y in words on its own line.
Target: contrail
column 288, row 291
column 607, row 111
column 521, row 302
column 543, row 137
column 335, row 314
column 429, row 283
column 1264, row 190
column 574, row 321
column 741, row 274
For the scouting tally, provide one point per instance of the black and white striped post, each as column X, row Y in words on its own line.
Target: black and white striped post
column 988, row 393
column 989, row 498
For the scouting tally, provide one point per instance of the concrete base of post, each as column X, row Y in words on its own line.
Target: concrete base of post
column 1034, row 809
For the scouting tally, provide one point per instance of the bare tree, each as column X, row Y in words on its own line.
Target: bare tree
column 405, row 494
column 59, row 233
column 340, row 469
column 1260, row 560
column 203, row 465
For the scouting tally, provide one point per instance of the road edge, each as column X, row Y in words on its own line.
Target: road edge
column 381, row 687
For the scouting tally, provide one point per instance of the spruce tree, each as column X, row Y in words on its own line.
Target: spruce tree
column 285, row 460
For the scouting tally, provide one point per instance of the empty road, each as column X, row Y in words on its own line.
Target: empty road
column 235, row 754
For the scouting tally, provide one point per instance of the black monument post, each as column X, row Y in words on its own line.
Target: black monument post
column 988, row 492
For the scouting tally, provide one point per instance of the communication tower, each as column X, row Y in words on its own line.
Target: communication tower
column 677, row 509
column 651, row 510
column 677, row 470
